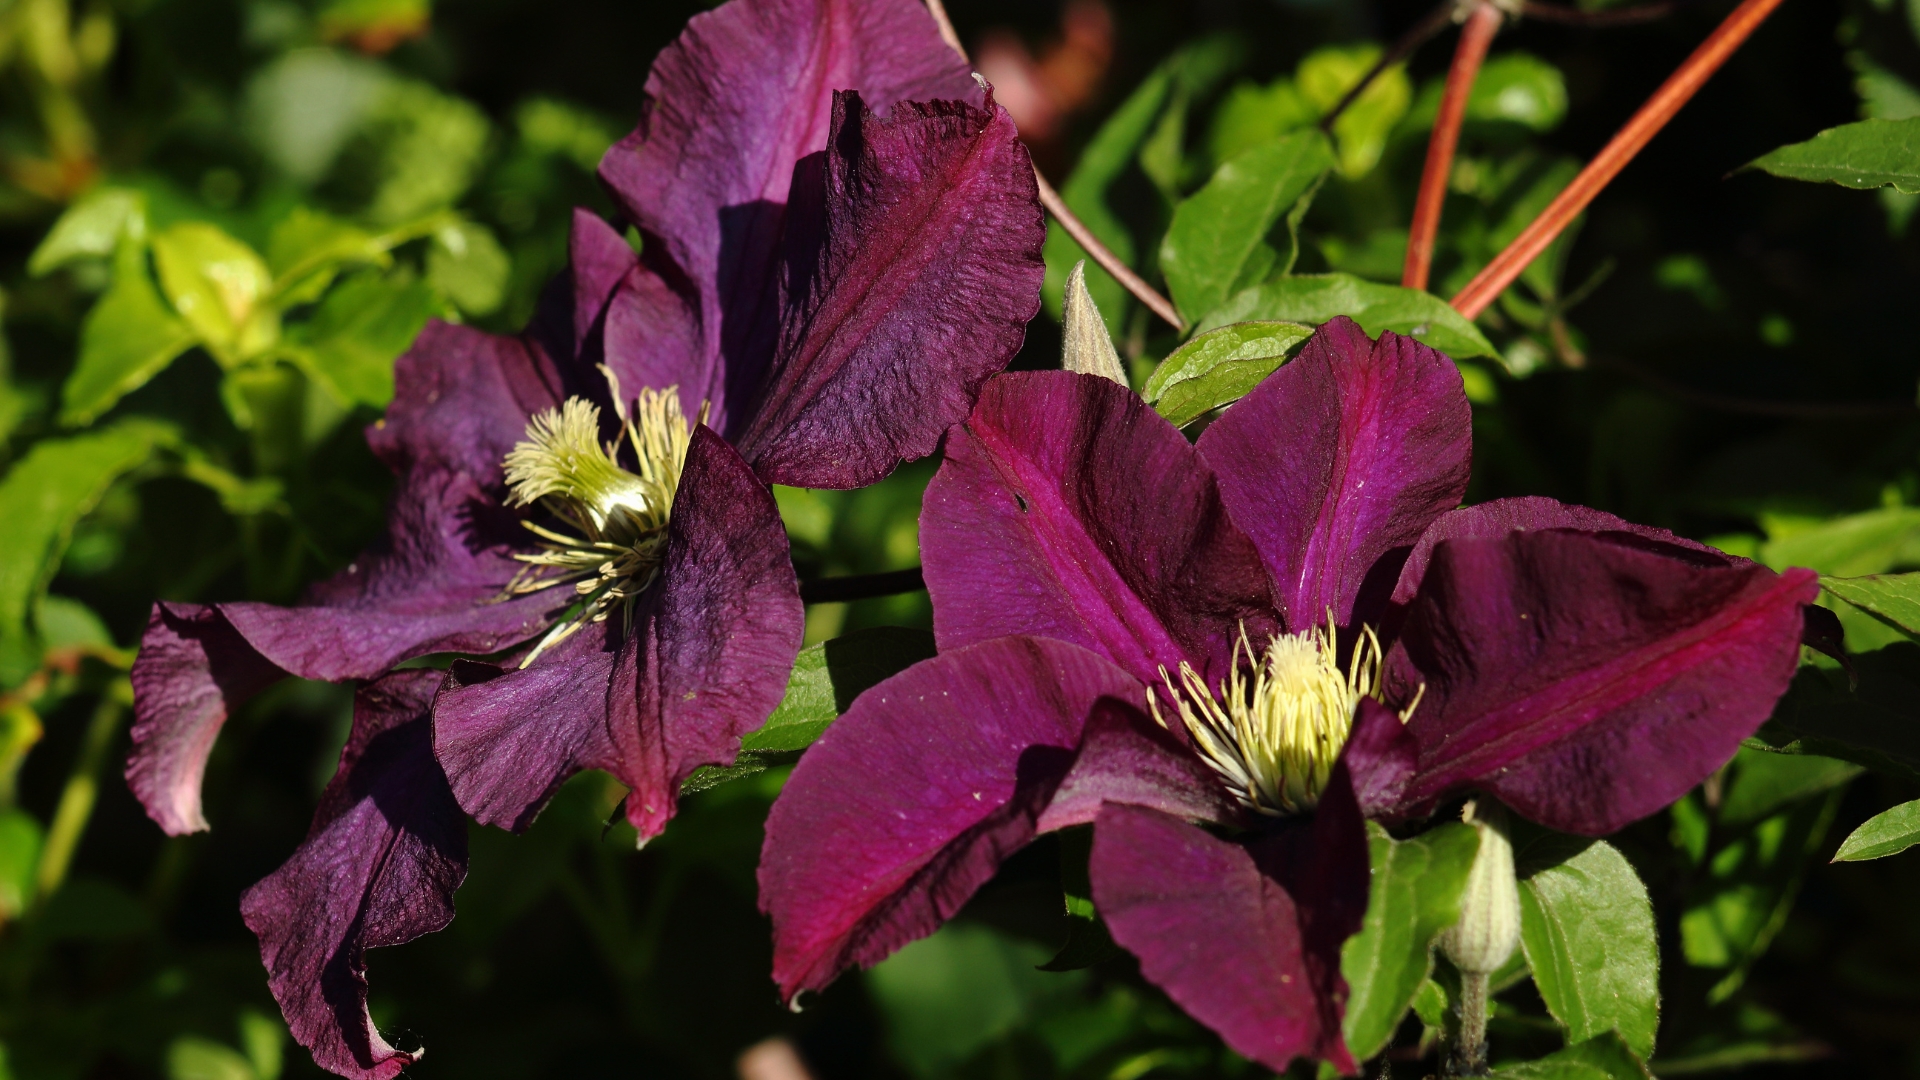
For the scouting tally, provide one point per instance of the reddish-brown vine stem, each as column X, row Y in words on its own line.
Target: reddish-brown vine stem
column 1660, row 108
column 1475, row 37
column 1068, row 220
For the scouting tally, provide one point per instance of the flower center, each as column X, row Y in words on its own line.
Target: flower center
column 1274, row 733
column 616, row 518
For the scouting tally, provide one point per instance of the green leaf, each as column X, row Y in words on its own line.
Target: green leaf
column 468, row 265
column 130, row 336
column 827, row 677
column 1867, row 154
column 1587, row 928
column 308, row 248
column 1220, row 367
column 1315, row 298
column 1604, row 1057
column 1251, row 115
column 193, row 1058
column 92, row 228
column 1761, row 783
column 263, row 1038
column 20, row 840
column 41, row 499
column 1876, row 725
column 358, row 331
column 1415, row 895
column 1891, row 599
column 218, row 285
column 1210, row 247
column 1856, row 545
column 420, row 147
column 1361, row 132
column 1515, row 88
column 1889, row 832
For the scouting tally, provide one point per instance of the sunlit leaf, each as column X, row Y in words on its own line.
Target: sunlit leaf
column 1604, row 1057
column 827, row 677
column 358, row 331
column 1220, row 367
column 468, row 266
column 1855, row 545
column 1315, row 298
column 1891, row 599
column 1414, row 895
column 301, row 109
column 92, row 228
column 308, row 248
column 1361, row 132
column 1761, row 783
column 20, row 840
column 419, row 150
column 1867, row 154
column 1889, row 832
column 193, row 1058
column 1211, row 247
column 1587, row 928
column 218, row 285
column 127, row 338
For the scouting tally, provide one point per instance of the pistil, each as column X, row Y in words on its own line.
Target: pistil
column 614, row 518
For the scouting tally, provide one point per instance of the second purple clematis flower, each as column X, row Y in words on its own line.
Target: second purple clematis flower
column 842, row 243
column 1225, row 656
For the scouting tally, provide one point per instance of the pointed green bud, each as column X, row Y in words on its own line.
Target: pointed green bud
column 1085, row 346
column 1489, row 927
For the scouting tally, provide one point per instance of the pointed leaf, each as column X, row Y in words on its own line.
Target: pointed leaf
column 1220, row 367
column 92, row 228
column 1889, row 832
column 1868, row 154
column 355, row 335
column 217, row 284
column 1085, row 346
column 1315, row 298
column 1587, row 928
column 130, row 336
column 1210, row 247
column 1893, row 599
column 1414, row 895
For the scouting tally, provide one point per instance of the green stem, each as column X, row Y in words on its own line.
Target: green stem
column 1469, row 1057
column 76, row 801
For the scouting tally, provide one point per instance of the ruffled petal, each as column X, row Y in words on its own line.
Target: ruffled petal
column 1246, row 938
column 1126, row 758
column 913, row 266
column 732, row 105
column 1066, row 508
column 193, row 669
column 911, row 800
column 387, row 849
column 709, row 661
column 1339, row 459
column 1587, row 680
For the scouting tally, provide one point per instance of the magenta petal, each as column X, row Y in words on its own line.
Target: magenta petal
column 710, row 660
column 910, row 801
column 1066, row 508
column 1587, row 680
column 597, row 259
column 387, row 849
column 1340, row 457
column 509, row 739
column 732, row 105
column 1502, row 516
column 1245, row 938
column 911, row 279
column 1127, row 758
column 193, row 669
column 654, row 339
column 1381, row 757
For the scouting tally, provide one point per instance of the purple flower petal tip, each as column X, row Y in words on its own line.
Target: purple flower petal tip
column 912, row 799
column 1587, row 680
column 1066, row 508
column 387, row 849
column 1339, row 458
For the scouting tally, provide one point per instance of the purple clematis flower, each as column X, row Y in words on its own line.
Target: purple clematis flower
column 842, row 239
column 1170, row 642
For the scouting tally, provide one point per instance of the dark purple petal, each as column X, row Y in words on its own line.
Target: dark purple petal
column 1245, row 938
column 1587, row 680
column 911, row 276
column 509, row 738
column 732, row 105
column 713, row 643
column 1340, row 457
column 193, row 669
column 1126, row 758
column 1066, row 508
column 910, row 801
column 1502, row 516
column 598, row 258
column 387, row 849
column 709, row 662
column 1381, row 756
column 654, row 340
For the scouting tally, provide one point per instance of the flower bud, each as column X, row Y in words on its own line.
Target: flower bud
column 1489, row 927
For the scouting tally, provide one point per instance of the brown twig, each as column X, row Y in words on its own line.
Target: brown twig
column 1403, row 47
column 1660, row 108
column 1068, row 220
column 1475, row 37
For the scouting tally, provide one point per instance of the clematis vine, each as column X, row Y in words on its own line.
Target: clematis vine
column 1225, row 656
column 842, row 243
